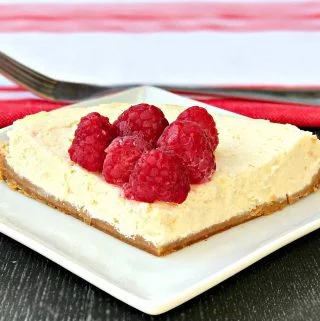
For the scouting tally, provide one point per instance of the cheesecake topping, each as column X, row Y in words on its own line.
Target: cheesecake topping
column 145, row 120
column 121, row 157
column 150, row 159
column 158, row 176
column 205, row 120
column 93, row 135
column 189, row 142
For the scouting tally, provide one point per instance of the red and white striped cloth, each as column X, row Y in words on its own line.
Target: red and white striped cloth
column 230, row 43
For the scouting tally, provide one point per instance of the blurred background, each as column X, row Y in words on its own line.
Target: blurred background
column 246, row 45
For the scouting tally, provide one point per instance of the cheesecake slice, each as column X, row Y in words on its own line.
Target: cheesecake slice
column 261, row 168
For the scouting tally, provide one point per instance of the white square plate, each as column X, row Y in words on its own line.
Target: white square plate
column 151, row 284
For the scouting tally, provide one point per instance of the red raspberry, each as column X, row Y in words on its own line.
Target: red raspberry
column 158, row 176
column 121, row 157
column 200, row 116
column 145, row 120
column 93, row 135
column 188, row 141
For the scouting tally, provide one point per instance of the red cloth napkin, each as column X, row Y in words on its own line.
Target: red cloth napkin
column 302, row 116
column 299, row 115
column 11, row 110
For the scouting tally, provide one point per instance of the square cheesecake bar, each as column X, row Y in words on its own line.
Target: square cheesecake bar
column 261, row 167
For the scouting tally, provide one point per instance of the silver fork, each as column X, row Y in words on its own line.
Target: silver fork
column 52, row 89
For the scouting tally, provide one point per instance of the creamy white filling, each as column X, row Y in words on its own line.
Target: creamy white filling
column 257, row 162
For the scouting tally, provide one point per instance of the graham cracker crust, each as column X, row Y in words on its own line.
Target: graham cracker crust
column 27, row 188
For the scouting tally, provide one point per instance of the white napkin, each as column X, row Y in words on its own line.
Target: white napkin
column 189, row 57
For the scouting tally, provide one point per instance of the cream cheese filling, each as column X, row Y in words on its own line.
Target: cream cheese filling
column 257, row 162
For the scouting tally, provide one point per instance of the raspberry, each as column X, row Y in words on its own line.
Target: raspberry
column 93, row 135
column 189, row 142
column 145, row 120
column 121, row 157
column 200, row 116
column 158, row 176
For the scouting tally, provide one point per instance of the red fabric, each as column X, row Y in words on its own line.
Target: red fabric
column 299, row 115
column 302, row 116
column 11, row 110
